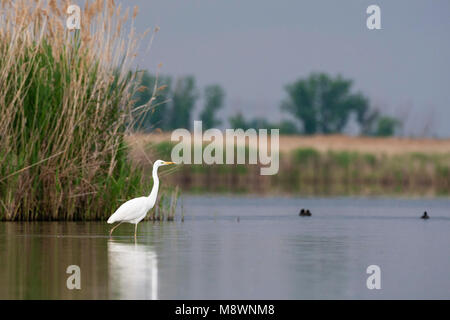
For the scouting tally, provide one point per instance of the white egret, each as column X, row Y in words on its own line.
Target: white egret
column 134, row 210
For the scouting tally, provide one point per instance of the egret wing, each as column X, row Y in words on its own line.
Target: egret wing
column 130, row 210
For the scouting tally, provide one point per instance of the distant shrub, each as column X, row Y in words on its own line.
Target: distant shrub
column 305, row 154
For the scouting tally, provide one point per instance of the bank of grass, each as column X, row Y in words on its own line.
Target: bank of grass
column 65, row 101
column 308, row 171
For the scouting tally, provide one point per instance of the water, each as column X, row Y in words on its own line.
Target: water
column 270, row 253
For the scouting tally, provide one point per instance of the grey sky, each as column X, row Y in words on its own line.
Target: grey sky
column 253, row 48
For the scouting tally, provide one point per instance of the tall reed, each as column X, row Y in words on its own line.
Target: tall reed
column 65, row 105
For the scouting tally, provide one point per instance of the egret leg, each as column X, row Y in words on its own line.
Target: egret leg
column 135, row 230
column 110, row 232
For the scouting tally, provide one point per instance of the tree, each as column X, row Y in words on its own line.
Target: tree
column 386, row 126
column 373, row 123
column 154, row 115
column 288, row 127
column 184, row 98
column 214, row 97
column 323, row 104
column 238, row 122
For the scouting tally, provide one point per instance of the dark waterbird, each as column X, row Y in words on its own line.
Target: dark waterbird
column 425, row 216
column 305, row 213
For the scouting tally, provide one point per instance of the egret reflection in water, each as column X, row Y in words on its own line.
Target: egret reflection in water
column 133, row 270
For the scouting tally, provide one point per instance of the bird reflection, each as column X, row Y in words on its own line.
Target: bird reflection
column 133, row 271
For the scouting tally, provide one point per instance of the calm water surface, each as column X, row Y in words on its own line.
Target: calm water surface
column 270, row 253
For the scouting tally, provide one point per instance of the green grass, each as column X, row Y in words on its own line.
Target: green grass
column 307, row 171
column 65, row 101
column 303, row 155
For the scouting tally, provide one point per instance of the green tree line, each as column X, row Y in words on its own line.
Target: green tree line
column 317, row 104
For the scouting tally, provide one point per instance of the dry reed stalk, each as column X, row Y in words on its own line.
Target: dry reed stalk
column 65, row 93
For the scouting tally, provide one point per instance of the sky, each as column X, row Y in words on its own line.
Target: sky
column 254, row 48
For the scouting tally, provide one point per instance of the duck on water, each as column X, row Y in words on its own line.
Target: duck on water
column 425, row 216
column 305, row 213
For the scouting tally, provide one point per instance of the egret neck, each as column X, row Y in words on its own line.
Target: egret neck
column 154, row 192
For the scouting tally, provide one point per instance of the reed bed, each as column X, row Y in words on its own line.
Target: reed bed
column 166, row 206
column 310, row 172
column 65, row 107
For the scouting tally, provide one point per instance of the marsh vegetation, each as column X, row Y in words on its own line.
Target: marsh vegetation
column 334, row 166
column 65, row 105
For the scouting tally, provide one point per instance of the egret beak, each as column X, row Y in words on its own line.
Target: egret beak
column 166, row 163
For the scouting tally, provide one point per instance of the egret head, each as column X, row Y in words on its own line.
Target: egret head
column 159, row 163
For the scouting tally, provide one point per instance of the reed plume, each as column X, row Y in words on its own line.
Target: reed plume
column 65, row 106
